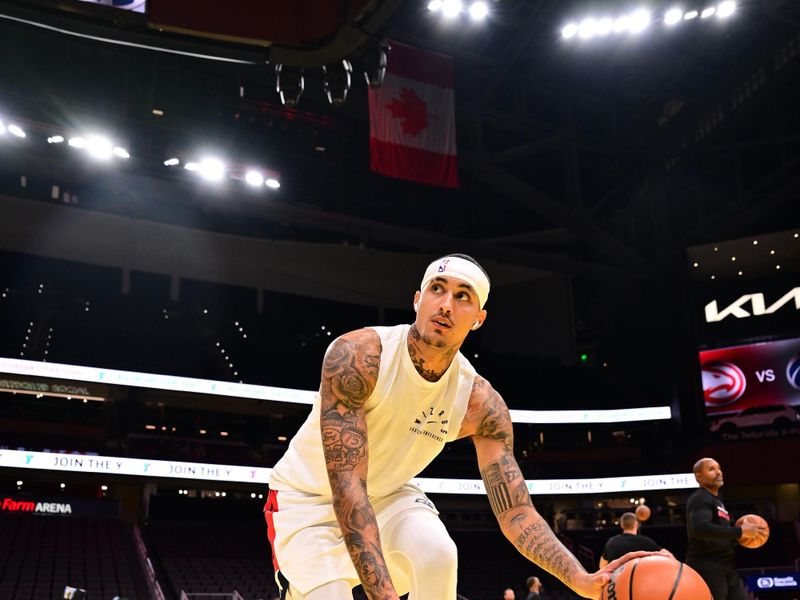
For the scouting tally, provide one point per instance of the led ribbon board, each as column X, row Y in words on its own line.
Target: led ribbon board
column 167, row 469
column 278, row 394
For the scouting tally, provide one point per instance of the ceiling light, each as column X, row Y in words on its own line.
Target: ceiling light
column 289, row 84
column 640, row 20
column 755, row 242
column 376, row 56
column 478, row 10
column 273, row 183
column 435, row 5
column 2, row 128
column 212, row 169
column 587, row 28
column 707, row 12
column 695, row 264
column 733, row 259
column 673, row 16
column 772, row 251
column 55, row 139
column 726, row 9
column 569, row 31
column 605, row 26
column 99, row 147
column 692, row 14
column 254, row 178
column 336, row 79
column 104, row 488
column 171, row 162
column 740, row 272
column 121, row 152
column 451, row 8
column 777, row 266
column 16, row 131
column 621, row 24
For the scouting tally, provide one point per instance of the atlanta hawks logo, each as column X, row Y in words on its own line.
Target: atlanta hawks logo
column 723, row 383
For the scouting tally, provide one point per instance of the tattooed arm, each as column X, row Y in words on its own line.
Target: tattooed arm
column 489, row 424
column 349, row 373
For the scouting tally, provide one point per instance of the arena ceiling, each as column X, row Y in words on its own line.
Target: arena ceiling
column 602, row 161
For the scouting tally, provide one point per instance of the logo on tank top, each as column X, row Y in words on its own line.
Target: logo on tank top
column 431, row 423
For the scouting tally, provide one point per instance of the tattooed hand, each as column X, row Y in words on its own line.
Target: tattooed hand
column 489, row 424
column 349, row 374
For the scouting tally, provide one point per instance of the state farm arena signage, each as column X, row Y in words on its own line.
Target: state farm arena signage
column 50, row 507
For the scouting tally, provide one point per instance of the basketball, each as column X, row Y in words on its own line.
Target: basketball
column 655, row 577
column 758, row 542
column 643, row 512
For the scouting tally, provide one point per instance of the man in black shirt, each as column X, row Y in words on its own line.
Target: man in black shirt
column 534, row 588
column 628, row 541
column 712, row 537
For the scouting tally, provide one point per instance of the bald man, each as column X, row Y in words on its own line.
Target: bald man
column 712, row 537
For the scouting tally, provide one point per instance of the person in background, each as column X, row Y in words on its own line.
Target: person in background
column 712, row 537
column 508, row 594
column 534, row 588
column 628, row 541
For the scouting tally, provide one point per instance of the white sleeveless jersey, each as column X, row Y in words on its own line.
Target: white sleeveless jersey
column 408, row 419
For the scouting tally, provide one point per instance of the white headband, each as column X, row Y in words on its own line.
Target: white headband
column 466, row 271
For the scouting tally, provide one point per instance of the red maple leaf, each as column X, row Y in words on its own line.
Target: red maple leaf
column 411, row 109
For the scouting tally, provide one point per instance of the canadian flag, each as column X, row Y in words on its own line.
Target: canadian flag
column 412, row 121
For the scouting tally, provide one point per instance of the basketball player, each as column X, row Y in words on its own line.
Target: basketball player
column 712, row 537
column 628, row 541
column 341, row 509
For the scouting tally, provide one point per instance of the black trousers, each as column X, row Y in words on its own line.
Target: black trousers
column 724, row 585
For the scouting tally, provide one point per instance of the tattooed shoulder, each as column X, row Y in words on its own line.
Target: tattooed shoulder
column 487, row 414
column 350, row 369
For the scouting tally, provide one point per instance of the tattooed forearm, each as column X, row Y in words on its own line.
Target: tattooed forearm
column 349, row 374
column 360, row 530
column 521, row 524
column 488, row 422
column 535, row 540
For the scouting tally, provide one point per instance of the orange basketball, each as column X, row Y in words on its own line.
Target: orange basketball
column 760, row 541
column 643, row 512
column 655, row 577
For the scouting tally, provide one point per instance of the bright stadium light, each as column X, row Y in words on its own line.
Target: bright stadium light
column 692, row 14
column 211, row 169
column 435, row 5
column 16, row 131
column 621, row 24
column 726, row 9
column 2, row 128
column 605, row 26
column 254, row 178
column 172, row 162
column 55, row 139
column 191, row 166
column 708, row 12
column 587, row 28
column 569, row 31
column 478, row 10
column 640, row 20
column 451, row 8
column 273, row 183
column 99, row 147
column 673, row 16
column 121, row 152
column 77, row 142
